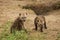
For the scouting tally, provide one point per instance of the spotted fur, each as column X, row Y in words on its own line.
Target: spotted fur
column 19, row 23
column 40, row 22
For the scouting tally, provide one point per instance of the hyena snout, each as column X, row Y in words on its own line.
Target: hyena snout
column 24, row 19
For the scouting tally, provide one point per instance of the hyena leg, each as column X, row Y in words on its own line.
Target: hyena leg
column 23, row 28
column 45, row 25
column 12, row 30
column 35, row 26
column 41, row 28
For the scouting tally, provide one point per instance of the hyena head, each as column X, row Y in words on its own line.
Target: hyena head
column 23, row 16
column 40, row 20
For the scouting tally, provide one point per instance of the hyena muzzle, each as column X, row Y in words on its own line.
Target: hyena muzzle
column 40, row 22
column 19, row 23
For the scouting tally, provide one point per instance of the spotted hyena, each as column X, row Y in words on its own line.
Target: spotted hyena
column 40, row 22
column 19, row 22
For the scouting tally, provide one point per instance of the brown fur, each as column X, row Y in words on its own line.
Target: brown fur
column 40, row 22
column 18, row 23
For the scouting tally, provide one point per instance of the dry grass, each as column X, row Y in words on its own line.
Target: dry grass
column 9, row 11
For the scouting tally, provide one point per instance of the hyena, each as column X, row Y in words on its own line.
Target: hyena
column 19, row 23
column 40, row 22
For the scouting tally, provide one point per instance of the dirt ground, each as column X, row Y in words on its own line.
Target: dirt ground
column 9, row 11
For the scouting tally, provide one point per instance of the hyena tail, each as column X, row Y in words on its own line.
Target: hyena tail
column 45, row 25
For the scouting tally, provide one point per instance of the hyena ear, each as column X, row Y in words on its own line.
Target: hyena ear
column 19, row 14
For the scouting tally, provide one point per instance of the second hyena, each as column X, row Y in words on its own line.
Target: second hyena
column 40, row 22
column 19, row 23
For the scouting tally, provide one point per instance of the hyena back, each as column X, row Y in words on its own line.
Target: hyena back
column 40, row 21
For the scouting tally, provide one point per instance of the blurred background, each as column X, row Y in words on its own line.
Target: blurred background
column 10, row 9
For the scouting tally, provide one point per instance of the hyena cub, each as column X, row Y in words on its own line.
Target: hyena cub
column 19, row 22
column 40, row 22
